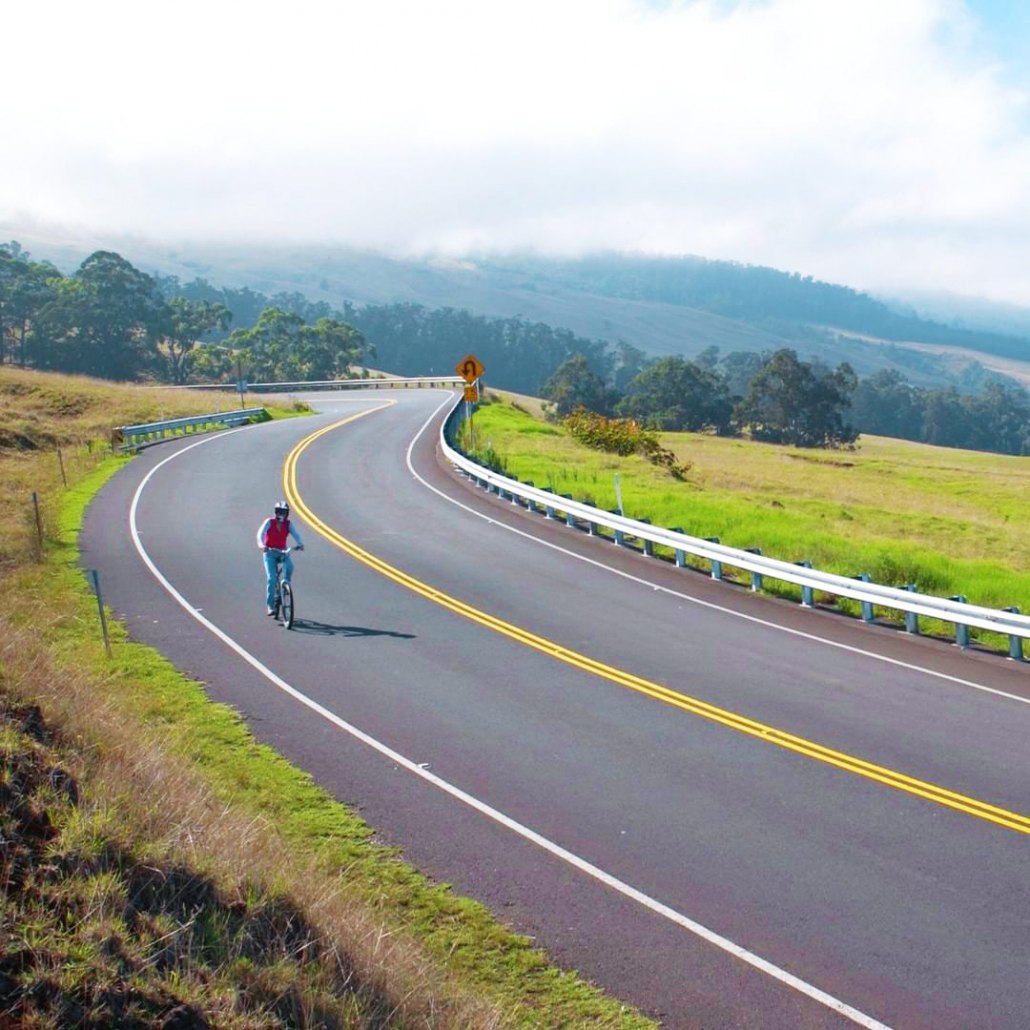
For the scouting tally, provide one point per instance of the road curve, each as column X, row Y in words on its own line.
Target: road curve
column 706, row 875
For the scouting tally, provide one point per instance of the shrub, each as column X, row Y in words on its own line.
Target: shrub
column 621, row 436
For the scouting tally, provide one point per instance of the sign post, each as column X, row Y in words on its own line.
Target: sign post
column 470, row 368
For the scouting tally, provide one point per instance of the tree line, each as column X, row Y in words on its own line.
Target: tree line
column 777, row 397
column 112, row 320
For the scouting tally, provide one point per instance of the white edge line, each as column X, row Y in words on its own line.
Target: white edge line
column 710, row 936
column 897, row 662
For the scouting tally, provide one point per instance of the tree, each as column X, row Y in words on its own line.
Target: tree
column 281, row 347
column 945, row 418
column 793, row 402
column 25, row 288
column 329, row 348
column 999, row 419
column 676, row 394
column 888, row 405
column 739, row 368
column 575, row 385
column 629, row 362
column 101, row 321
column 181, row 325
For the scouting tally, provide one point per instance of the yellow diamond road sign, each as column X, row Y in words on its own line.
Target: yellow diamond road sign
column 470, row 368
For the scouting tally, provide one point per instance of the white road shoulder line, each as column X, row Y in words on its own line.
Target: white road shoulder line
column 696, row 600
column 723, row 943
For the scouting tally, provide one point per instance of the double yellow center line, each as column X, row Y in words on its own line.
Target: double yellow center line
column 742, row 724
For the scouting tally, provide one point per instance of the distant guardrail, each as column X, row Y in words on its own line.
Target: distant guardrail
column 326, row 384
column 645, row 537
column 131, row 438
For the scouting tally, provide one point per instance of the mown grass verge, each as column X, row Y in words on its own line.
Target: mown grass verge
column 951, row 522
column 161, row 867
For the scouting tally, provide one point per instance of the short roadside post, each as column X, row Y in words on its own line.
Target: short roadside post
column 39, row 523
column 95, row 576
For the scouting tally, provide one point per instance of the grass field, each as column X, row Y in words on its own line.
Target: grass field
column 158, row 866
column 950, row 521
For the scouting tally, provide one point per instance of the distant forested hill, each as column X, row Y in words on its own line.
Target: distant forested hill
column 752, row 294
column 660, row 305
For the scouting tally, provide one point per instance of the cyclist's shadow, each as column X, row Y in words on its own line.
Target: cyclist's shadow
column 324, row 629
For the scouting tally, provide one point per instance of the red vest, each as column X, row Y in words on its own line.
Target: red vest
column 277, row 534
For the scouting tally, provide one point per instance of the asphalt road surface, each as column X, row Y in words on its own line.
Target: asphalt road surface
column 657, row 777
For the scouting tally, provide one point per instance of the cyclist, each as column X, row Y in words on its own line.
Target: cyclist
column 274, row 536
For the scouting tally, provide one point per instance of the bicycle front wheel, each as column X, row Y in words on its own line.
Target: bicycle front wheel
column 287, row 605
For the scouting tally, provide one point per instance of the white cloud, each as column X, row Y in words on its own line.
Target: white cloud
column 873, row 143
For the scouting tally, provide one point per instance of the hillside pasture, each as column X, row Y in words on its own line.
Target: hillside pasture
column 949, row 521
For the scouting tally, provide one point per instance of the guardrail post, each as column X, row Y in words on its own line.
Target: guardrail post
column 911, row 619
column 716, row 563
column 618, row 535
column 681, row 555
column 867, row 606
column 807, row 593
column 961, row 630
column 530, row 503
column 1015, row 643
column 591, row 526
column 570, row 519
column 648, row 544
column 756, row 577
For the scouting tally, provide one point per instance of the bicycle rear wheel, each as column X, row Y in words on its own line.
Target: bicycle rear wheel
column 287, row 605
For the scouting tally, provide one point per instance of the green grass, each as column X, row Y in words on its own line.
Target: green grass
column 461, row 934
column 251, row 846
column 951, row 522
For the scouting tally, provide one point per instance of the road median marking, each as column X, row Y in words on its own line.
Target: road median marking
column 695, row 706
column 562, row 854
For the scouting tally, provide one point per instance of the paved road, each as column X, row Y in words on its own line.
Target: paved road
column 709, row 876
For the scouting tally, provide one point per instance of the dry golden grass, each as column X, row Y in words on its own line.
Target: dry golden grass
column 168, row 867
column 55, row 427
column 204, row 907
column 177, row 900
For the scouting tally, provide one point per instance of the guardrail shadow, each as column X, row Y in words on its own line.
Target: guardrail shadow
column 324, row 629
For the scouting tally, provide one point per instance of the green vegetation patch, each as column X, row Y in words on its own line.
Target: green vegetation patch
column 951, row 522
column 181, row 869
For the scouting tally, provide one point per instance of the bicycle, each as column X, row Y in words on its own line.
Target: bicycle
column 283, row 602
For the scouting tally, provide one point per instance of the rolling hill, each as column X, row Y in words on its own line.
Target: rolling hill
column 660, row 305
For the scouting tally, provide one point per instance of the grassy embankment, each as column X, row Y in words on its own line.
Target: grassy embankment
column 158, row 866
column 950, row 521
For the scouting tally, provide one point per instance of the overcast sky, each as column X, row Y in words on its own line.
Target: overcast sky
column 883, row 144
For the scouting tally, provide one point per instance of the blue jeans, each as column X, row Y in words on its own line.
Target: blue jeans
column 271, row 557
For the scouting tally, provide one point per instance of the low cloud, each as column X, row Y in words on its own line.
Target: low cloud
column 877, row 143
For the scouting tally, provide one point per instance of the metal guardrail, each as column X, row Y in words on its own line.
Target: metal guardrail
column 955, row 610
column 327, row 384
column 133, row 437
